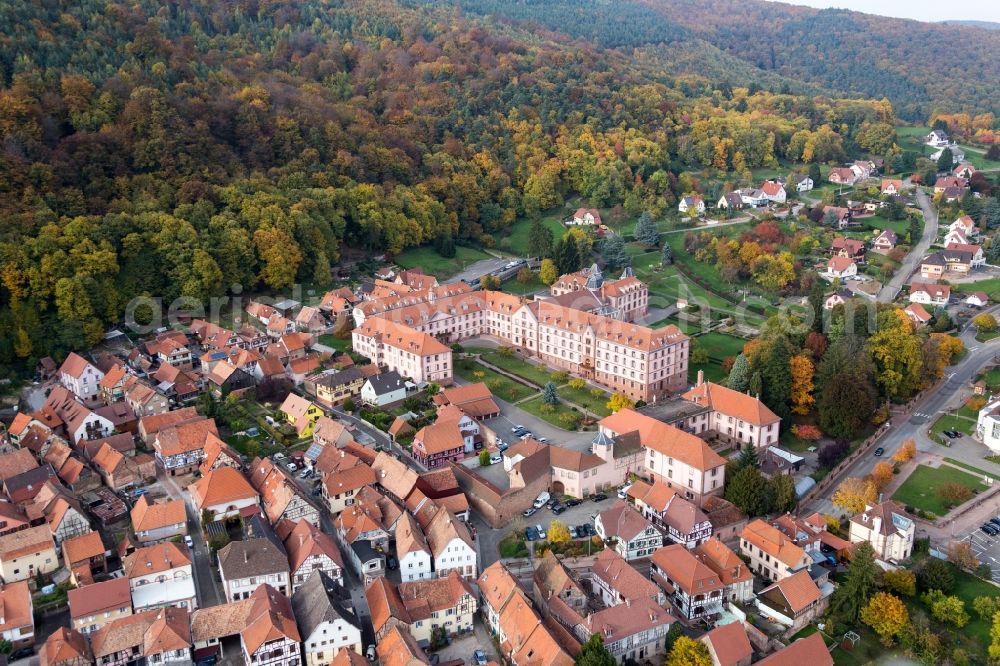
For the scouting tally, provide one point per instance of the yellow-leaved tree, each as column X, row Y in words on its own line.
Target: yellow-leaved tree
column 887, row 616
column 854, row 493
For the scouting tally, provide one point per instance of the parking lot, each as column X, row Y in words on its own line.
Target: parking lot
column 582, row 514
column 987, row 550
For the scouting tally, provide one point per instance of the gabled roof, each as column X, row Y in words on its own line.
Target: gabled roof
column 65, row 646
column 81, row 548
column 156, row 559
column 409, row 537
column 726, row 401
column 497, row 585
column 385, row 383
column 623, row 522
column 810, row 650
column 270, row 618
column 622, row 577
column 312, row 605
column 399, row 648
column 22, row 542
column 443, row 529
column 306, row 540
column 75, row 365
column 771, row 540
column 415, row 600
column 185, row 437
column 220, row 486
column 169, row 631
column 99, row 597
column 253, row 557
column 664, row 439
column 730, row 644
column 16, row 462
column 15, row 606
column 798, row 590
column 686, row 571
column 402, row 337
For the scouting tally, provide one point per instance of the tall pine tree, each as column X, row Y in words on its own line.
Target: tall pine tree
column 540, row 241
column 646, row 231
column 739, row 375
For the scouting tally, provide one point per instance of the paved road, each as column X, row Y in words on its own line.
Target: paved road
column 204, row 580
column 925, row 412
column 911, row 261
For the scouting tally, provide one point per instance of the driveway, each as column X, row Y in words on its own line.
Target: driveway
column 912, row 260
column 204, row 579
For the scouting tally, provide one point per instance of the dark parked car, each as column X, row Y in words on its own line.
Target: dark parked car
column 23, row 653
column 574, row 502
column 552, row 502
column 392, row 563
column 879, row 451
column 599, row 497
column 558, row 508
column 989, row 529
column 530, row 534
column 995, row 521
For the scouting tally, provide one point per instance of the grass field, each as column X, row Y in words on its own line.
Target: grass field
column 504, row 388
column 536, row 374
column 991, row 286
column 721, row 345
column 340, row 344
column 515, row 287
column 992, row 377
column 713, row 372
column 441, row 267
column 952, row 422
column 920, row 488
column 584, row 399
column 564, row 416
column 517, row 242
column 966, row 466
column 967, row 588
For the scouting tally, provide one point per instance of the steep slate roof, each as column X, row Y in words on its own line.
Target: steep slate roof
column 253, row 557
column 665, row 439
column 312, row 606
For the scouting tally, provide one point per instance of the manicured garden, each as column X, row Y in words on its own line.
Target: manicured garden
column 560, row 415
column 585, row 399
column 432, row 263
column 920, row 490
column 502, row 387
column 537, row 374
column 721, row 345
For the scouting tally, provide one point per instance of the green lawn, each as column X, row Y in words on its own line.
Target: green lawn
column 712, row 369
column 978, row 159
column 967, row 588
column 515, row 287
column 952, row 422
column 340, row 344
column 991, row 286
column 721, row 345
column 517, row 242
column 991, row 377
column 563, row 416
column 434, row 264
column 584, row 399
column 502, row 387
column 537, row 374
column 919, row 489
column 966, row 466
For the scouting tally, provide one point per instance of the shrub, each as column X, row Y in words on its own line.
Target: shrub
column 810, row 433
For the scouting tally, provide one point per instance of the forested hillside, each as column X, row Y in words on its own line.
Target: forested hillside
column 177, row 149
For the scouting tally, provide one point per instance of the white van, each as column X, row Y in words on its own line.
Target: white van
column 541, row 500
column 623, row 491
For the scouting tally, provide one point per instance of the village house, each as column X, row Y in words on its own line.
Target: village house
column 270, row 636
column 615, row 581
column 385, row 389
column 976, row 259
column 301, row 413
column 842, row 176
column 736, row 577
column 363, row 530
column 81, row 378
column 334, row 388
column 342, row 484
column 95, row 605
column 84, row 555
column 930, row 294
column 631, row 633
column 752, row 197
column 161, row 575
column 731, row 200
column 885, row 241
column 803, row 183
column 693, row 589
column 64, row 414
column 671, row 455
column 732, row 417
column 421, row 606
column 887, row 528
column 966, row 226
column 311, row 320
column 937, row 139
column 917, row 314
column 117, row 471
column 412, row 552
column 158, row 522
column 774, row 191
column 728, row 645
column 281, row 497
column 475, row 400
column 17, row 618
column 152, row 637
column 795, row 601
column 439, row 442
column 65, row 647
column 558, row 594
column 979, row 299
column 838, row 217
column 451, row 545
column 840, row 268
column 849, row 248
column 170, row 348
column 772, row 554
column 223, row 493
column 27, row 553
column 633, row 536
column 950, row 182
column 692, row 203
column 891, row 187
column 180, row 448
column 310, row 549
column 586, row 216
column 325, row 629
column 219, row 454
column 683, row 522
column 246, row 565
column 838, row 297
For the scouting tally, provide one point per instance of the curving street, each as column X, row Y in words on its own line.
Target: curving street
column 912, row 260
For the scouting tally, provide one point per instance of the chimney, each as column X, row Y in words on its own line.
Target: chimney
column 701, row 378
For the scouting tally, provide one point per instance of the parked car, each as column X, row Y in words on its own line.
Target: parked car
column 542, row 499
column 988, row 529
column 23, row 653
column 573, row 502
column 879, row 451
column 291, row 467
column 623, row 491
column 574, row 533
column 480, row 656
column 530, row 511
column 526, row 435
column 543, row 440
column 370, row 653
column 496, row 458
column 188, row 541
column 995, row 521
column 517, row 428
column 558, row 508
column 599, row 497
column 502, row 445
column 530, row 534
column 392, row 563
column 541, row 532
column 552, row 502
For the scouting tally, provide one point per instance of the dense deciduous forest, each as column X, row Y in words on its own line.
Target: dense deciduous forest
column 176, row 149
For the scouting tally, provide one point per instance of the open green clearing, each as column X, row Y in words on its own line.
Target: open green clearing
column 967, row 588
column 966, row 466
column 712, row 370
column 920, row 488
column 561, row 416
column 951, row 422
column 991, row 286
column 517, row 242
column 433, row 263
column 515, row 287
column 340, row 344
column 536, row 374
column 721, row 345
column 503, row 387
column 582, row 397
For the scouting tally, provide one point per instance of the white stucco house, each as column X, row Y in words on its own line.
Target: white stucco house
column 988, row 425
